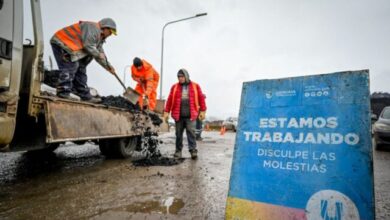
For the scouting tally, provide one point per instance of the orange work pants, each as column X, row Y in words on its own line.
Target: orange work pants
column 152, row 97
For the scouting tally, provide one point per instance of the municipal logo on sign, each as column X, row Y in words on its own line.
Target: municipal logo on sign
column 331, row 205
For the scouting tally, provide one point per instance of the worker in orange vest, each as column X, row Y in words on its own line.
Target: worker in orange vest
column 74, row 47
column 147, row 82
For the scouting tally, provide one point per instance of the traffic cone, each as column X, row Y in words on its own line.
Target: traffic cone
column 223, row 130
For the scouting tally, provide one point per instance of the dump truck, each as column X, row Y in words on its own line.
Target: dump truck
column 31, row 119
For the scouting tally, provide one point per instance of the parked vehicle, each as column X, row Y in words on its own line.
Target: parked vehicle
column 374, row 118
column 382, row 128
column 230, row 123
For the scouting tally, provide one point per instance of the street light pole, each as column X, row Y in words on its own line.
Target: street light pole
column 162, row 45
column 124, row 73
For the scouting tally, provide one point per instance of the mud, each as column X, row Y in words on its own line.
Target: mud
column 120, row 102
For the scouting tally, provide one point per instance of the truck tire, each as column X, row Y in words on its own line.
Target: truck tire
column 104, row 146
column 118, row 147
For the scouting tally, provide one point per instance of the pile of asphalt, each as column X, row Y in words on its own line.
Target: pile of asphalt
column 120, row 102
column 149, row 144
column 150, row 147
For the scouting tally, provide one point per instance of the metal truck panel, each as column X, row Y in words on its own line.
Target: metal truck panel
column 303, row 149
column 11, row 46
column 67, row 121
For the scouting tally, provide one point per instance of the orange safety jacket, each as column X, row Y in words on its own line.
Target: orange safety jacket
column 147, row 77
column 71, row 36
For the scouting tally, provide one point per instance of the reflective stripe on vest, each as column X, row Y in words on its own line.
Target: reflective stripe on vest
column 71, row 37
column 195, row 92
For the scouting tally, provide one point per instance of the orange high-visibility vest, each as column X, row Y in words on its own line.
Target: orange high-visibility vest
column 194, row 86
column 71, row 36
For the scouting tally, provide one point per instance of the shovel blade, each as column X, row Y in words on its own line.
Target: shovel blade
column 131, row 95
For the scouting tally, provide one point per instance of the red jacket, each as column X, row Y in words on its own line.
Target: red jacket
column 197, row 100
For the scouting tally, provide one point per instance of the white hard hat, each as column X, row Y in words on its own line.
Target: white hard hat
column 108, row 23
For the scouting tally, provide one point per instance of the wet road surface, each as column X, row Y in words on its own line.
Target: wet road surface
column 76, row 182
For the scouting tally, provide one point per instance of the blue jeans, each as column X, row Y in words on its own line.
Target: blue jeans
column 189, row 126
column 72, row 75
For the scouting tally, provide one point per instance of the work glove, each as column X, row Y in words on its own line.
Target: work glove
column 202, row 116
column 145, row 101
column 102, row 56
column 166, row 116
column 111, row 69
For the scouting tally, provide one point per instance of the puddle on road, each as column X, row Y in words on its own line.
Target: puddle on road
column 170, row 206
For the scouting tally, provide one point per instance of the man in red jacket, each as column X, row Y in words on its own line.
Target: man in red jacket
column 185, row 102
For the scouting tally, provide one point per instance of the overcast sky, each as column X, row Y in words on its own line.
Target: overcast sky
column 237, row 41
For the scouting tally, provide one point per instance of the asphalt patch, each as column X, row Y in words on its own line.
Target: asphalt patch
column 158, row 161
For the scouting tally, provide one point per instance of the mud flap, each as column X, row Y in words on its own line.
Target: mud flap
column 66, row 121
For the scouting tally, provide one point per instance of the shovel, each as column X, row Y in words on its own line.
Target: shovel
column 129, row 94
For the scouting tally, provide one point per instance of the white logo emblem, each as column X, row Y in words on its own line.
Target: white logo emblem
column 331, row 205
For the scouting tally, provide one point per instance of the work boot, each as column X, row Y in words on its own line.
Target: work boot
column 194, row 154
column 199, row 138
column 66, row 96
column 177, row 154
column 93, row 100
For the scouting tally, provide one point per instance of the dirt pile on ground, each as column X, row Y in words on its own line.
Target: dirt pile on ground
column 120, row 102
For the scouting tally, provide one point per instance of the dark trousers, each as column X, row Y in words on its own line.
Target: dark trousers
column 72, row 75
column 189, row 126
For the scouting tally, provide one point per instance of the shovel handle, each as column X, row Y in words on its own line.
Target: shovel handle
column 123, row 85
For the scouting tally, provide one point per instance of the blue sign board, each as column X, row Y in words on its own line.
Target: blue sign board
column 303, row 149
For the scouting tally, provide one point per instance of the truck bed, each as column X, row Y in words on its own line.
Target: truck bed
column 68, row 120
